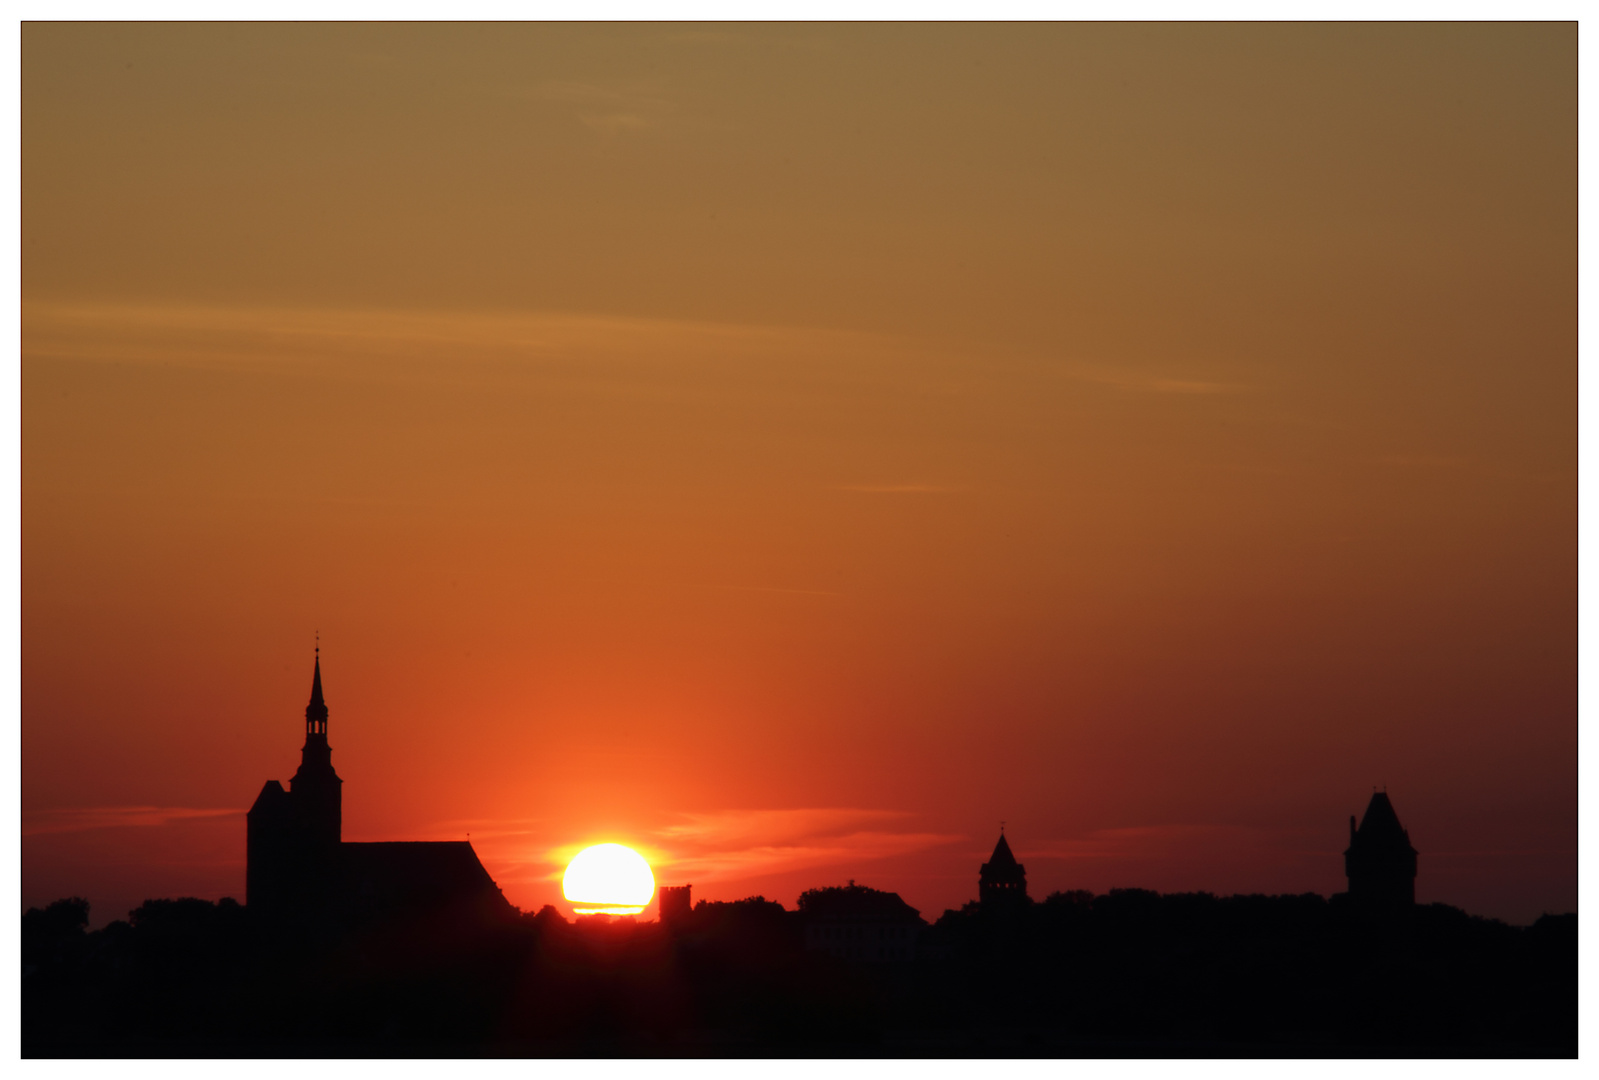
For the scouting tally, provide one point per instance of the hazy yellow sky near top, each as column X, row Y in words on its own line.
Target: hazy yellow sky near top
column 1102, row 427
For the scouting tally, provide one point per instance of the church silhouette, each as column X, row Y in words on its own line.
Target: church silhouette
column 300, row 870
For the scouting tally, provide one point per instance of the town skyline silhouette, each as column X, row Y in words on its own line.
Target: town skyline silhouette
column 297, row 857
column 323, row 908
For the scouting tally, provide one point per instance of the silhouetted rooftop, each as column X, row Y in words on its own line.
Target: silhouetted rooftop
column 1002, row 855
column 855, row 902
column 414, row 874
column 1381, row 823
column 272, row 796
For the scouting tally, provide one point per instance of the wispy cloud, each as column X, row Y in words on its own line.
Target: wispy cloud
column 724, row 846
column 115, row 817
column 265, row 338
column 478, row 829
column 1192, row 386
column 608, row 107
column 748, row 843
column 1177, row 841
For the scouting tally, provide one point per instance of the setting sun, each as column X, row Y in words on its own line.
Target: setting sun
column 608, row 879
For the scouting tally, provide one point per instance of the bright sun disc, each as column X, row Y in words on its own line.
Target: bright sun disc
column 608, row 879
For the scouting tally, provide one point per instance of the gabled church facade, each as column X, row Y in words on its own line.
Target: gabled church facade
column 300, row 869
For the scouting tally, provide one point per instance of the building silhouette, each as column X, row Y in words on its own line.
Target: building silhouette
column 1380, row 863
column 300, row 870
column 854, row 922
column 1002, row 881
column 293, row 837
column 675, row 903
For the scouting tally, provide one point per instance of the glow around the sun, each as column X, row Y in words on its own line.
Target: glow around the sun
column 608, row 879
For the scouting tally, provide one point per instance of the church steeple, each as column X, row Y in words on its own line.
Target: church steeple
column 316, row 713
column 316, row 785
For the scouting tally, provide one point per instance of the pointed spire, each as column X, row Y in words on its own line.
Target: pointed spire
column 316, row 713
column 1002, row 855
column 1380, row 818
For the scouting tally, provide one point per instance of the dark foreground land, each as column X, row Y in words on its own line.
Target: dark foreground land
column 1131, row 973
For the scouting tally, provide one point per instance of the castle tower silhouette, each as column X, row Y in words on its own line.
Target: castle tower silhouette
column 299, row 869
column 1002, row 881
column 1380, row 863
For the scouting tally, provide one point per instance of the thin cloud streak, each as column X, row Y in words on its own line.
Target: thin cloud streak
column 732, row 827
column 116, row 817
column 749, row 843
column 729, row 845
column 1164, row 842
column 268, row 337
column 603, row 107
column 1138, row 383
column 771, row 859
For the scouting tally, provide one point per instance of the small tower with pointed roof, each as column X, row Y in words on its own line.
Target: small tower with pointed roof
column 1380, row 863
column 315, row 787
column 1002, row 881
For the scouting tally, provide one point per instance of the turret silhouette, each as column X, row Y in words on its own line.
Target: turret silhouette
column 1380, row 863
column 1002, row 881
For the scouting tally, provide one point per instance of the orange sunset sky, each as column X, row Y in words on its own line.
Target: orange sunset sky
column 791, row 450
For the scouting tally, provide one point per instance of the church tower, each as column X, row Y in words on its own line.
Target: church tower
column 1002, row 881
column 1380, row 863
column 292, row 837
column 316, row 789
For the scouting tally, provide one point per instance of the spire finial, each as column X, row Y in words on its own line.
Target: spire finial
column 1002, row 828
